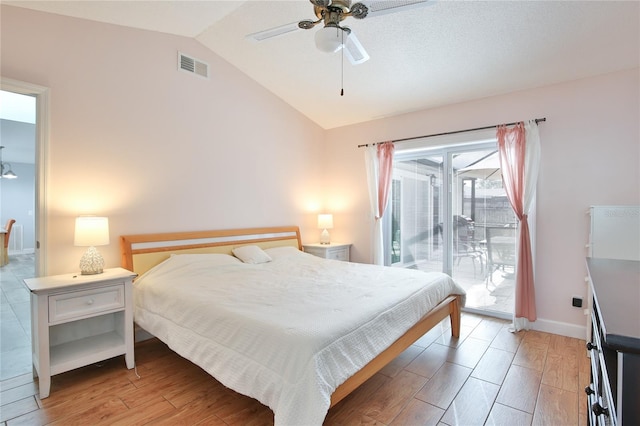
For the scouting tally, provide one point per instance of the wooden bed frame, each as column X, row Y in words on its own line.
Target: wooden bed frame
column 142, row 252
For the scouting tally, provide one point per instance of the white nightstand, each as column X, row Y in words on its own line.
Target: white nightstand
column 77, row 320
column 334, row 251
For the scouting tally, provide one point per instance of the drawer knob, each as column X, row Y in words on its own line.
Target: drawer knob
column 599, row 410
column 90, row 302
column 588, row 390
column 591, row 346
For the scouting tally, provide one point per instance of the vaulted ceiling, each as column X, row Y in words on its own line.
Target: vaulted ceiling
column 444, row 53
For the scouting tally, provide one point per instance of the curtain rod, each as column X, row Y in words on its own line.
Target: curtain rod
column 537, row 120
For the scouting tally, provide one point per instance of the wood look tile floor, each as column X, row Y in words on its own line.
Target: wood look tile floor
column 488, row 376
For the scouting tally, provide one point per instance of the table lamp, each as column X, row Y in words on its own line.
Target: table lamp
column 325, row 221
column 91, row 231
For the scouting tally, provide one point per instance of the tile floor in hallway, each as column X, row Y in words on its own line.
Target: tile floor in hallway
column 15, row 331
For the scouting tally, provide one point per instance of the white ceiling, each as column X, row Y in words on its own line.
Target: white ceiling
column 449, row 52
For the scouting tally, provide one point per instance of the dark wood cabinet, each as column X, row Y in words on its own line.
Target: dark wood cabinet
column 614, row 346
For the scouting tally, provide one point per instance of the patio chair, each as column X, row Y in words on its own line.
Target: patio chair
column 464, row 243
column 501, row 250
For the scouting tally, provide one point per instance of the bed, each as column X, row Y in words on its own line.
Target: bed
column 294, row 331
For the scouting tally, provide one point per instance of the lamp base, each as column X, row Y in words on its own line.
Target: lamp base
column 324, row 237
column 91, row 262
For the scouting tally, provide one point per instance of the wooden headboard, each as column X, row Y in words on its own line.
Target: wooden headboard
column 143, row 251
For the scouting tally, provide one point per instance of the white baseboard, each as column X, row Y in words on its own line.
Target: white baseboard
column 561, row 328
column 23, row 251
column 548, row 326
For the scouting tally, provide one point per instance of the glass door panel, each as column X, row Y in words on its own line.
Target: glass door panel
column 417, row 213
column 480, row 205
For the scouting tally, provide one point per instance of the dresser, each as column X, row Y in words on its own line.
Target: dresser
column 77, row 320
column 336, row 251
column 614, row 345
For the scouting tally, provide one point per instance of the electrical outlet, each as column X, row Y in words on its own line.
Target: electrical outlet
column 577, row 302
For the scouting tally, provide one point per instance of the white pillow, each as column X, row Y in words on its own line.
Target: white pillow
column 251, row 254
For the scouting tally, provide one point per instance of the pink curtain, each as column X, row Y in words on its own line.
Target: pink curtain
column 385, row 162
column 512, row 148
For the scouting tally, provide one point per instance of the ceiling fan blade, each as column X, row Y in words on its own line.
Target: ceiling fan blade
column 383, row 7
column 354, row 51
column 274, row 32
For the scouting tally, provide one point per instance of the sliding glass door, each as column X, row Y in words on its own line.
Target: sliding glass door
column 447, row 209
column 417, row 212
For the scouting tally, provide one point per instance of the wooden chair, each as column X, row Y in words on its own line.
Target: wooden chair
column 5, row 252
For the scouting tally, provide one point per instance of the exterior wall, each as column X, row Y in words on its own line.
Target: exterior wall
column 590, row 156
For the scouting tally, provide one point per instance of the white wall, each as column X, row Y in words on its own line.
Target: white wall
column 153, row 148
column 590, row 155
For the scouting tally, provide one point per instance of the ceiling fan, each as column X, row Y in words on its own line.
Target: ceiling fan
column 332, row 36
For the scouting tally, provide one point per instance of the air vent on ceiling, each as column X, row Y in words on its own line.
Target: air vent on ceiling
column 193, row 65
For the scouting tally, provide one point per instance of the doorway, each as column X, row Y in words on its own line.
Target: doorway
column 17, row 182
column 24, row 125
column 447, row 206
column 41, row 96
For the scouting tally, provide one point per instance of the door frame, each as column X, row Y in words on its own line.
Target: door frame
column 41, row 94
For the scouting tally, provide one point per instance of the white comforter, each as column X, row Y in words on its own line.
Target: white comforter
column 287, row 332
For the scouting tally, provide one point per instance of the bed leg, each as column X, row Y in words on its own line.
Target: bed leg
column 454, row 314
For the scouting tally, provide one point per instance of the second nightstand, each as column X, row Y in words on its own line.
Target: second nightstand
column 78, row 320
column 336, row 251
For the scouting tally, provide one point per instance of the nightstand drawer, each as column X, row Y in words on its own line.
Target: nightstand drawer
column 79, row 304
column 339, row 254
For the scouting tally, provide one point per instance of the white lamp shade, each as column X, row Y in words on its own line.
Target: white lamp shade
column 329, row 39
column 325, row 221
column 91, row 231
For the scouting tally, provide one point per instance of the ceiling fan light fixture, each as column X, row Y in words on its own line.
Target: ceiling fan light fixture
column 329, row 39
column 354, row 51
